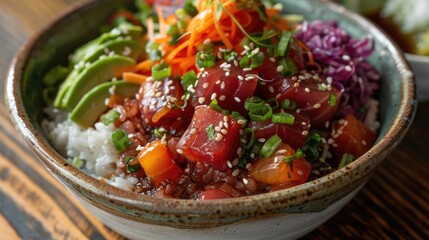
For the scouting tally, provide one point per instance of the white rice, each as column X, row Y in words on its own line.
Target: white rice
column 93, row 145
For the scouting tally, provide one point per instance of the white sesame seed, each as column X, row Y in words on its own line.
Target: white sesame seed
column 280, row 68
column 225, row 119
column 222, row 85
column 201, row 100
column 364, row 142
column 329, row 80
column 271, row 89
column 225, row 123
column 317, row 105
column 193, row 130
column 224, row 131
column 179, row 151
column 241, row 121
column 237, row 99
column 205, row 85
column 106, row 101
column 217, row 129
column 296, row 85
column 348, row 68
column 219, row 137
column 307, row 90
column 261, row 140
column 247, row 69
column 330, row 141
column 278, row 95
column 346, row 57
column 139, row 148
column 272, row 59
column 240, row 77
column 249, row 165
column 300, row 172
column 239, row 151
column 235, row 162
column 217, row 82
column 221, row 98
column 213, row 96
column 235, row 172
column 245, row 181
column 305, row 132
column 229, row 164
column 207, row 41
column 227, row 74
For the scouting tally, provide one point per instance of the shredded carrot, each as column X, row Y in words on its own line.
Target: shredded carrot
column 134, row 77
column 144, row 66
column 191, row 43
column 114, row 100
column 150, row 29
column 160, row 113
column 307, row 51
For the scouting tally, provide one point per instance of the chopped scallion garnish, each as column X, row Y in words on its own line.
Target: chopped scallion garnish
column 249, row 141
column 120, row 140
column 161, row 71
column 189, row 79
column 132, row 164
column 283, row 45
column 190, row 9
column 78, row 163
column 253, row 102
column 284, row 118
column 332, row 99
column 211, row 133
column 270, row 146
column 289, row 67
column 261, row 113
column 110, row 117
column 205, row 60
column 288, row 104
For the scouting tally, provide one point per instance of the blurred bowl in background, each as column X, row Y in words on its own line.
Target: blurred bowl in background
column 420, row 67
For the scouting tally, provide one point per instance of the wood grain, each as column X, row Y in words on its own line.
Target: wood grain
column 394, row 204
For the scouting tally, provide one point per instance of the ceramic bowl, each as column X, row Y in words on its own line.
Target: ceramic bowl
column 283, row 214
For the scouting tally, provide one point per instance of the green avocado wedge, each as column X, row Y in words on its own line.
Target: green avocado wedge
column 92, row 105
column 98, row 72
column 110, row 41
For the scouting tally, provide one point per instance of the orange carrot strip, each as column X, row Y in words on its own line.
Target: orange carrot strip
column 191, row 43
column 144, row 66
column 176, row 51
column 150, row 29
column 134, row 77
column 121, row 70
column 113, row 100
column 160, row 113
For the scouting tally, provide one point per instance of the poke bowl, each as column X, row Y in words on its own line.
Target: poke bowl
column 127, row 84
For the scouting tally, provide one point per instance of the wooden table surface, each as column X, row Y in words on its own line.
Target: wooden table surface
column 394, row 204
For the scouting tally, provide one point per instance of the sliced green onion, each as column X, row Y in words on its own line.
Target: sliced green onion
column 288, row 104
column 189, row 79
column 297, row 154
column 257, row 148
column 211, row 133
column 332, row 99
column 229, row 55
column 205, row 60
column 346, row 159
column 284, row 118
column 172, row 30
column 284, row 43
column 252, row 60
column 250, row 141
column 78, row 163
column 253, row 102
column 132, row 164
column 270, row 146
column 174, row 39
column 273, row 103
column 110, row 117
column 311, row 146
column 155, row 55
column 151, row 46
column 120, row 140
column 289, row 67
column 161, row 71
column 261, row 113
column 190, row 9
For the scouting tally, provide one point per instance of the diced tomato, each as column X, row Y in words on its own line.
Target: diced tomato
column 201, row 142
column 294, row 134
column 158, row 102
column 273, row 170
column 211, row 194
column 156, row 161
column 230, row 91
column 351, row 136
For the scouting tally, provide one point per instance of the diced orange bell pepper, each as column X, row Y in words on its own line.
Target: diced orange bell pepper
column 158, row 164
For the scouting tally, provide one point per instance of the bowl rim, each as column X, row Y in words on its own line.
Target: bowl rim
column 261, row 203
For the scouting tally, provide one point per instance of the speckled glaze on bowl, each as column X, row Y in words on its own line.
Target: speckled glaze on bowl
column 283, row 214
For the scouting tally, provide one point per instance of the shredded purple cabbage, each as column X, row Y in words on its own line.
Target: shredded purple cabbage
column 341, row 57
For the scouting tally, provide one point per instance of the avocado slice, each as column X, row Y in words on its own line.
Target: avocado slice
column 67, row 83
column 92, row 105
column 96, row 73
column 95, row 48
column 119, row 46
